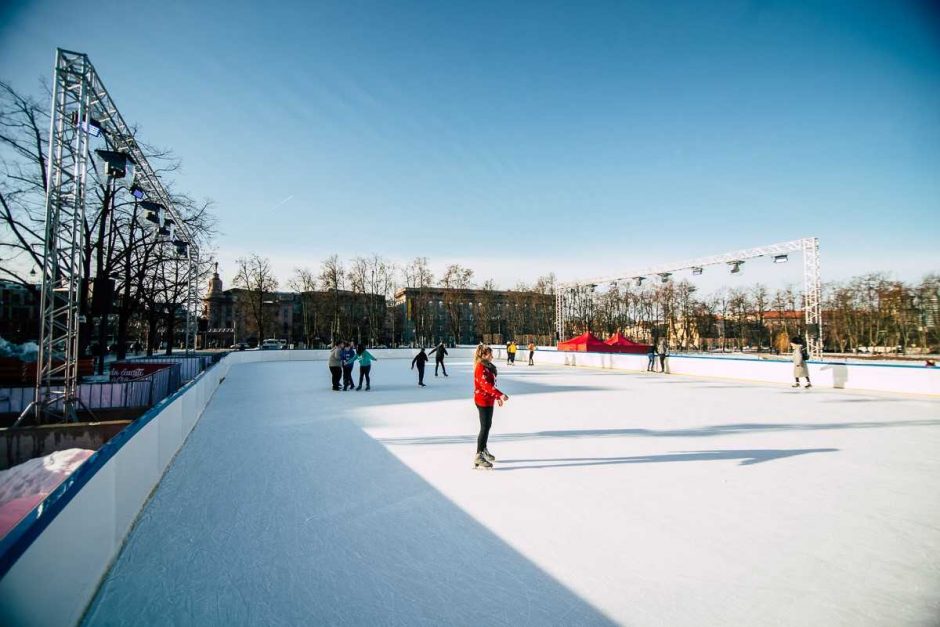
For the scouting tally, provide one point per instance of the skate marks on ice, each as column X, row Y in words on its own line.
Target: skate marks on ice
column 747, row 458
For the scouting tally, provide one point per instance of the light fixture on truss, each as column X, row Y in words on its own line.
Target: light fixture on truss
column 116, row 162
column 735, row 266
column 664, row 276
column 137, row 191
column 153, row 209
column 781, row 258
column 639, row 280
column 697, row 271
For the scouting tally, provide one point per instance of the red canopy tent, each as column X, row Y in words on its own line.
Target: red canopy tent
column 620, row 344
column 585, row 343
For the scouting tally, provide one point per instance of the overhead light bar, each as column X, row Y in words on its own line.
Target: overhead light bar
column 696, row 271
column 781, row 258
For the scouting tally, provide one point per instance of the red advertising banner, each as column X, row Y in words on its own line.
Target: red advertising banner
column 129, row 370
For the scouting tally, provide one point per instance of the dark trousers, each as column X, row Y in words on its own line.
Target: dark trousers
column 439, row 362
column 364, row 372
column 531, row 358
column 420, row 374
column 651, row 366
column 512, row 358
column 662, row 362
column 336, row 372
column 347, row 377
column 486, row 421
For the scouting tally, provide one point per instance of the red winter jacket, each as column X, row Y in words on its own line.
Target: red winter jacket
column 485, row 392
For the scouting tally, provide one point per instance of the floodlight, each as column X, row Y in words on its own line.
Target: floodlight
column 665, row 276
column 137, row 192
column 165, row 230
column 116, row 162
column 92, row 127
column 781, row 258
column 696, row 271
column 593, row 286
column 639, row 280
column 735, row 266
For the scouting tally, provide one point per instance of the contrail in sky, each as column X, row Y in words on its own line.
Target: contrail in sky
column 281, row 203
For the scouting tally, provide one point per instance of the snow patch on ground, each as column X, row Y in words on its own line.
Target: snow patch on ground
column 22, row 487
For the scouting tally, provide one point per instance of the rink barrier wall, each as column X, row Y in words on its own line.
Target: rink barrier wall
column 896, row 378
column 53, row 561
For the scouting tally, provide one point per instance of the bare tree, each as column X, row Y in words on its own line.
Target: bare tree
column 254, row 275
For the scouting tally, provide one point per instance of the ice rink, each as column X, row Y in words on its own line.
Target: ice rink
column 635, row 499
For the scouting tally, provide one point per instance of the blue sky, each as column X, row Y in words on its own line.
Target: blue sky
column 522, row 138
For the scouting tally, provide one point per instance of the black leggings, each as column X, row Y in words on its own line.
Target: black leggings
column 486, row 421
column 439, row 363
column 364, row 372
column 336, row 372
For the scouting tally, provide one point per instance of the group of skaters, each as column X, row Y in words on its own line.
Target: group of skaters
column 439, row 352
column 343, row 358
column 659, row 349
column 512, row 348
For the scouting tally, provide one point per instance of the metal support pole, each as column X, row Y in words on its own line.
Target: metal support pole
column 812, row 296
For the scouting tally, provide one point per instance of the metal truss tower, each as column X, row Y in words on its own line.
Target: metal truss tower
column 81, row 109
column 812, row 287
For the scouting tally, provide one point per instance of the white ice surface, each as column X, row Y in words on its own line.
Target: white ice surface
column 629, row 498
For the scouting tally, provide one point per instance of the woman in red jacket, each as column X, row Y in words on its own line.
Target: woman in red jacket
column 485, row 395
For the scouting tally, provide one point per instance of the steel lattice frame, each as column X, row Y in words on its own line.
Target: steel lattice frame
column 79, row 103
column 812, row 287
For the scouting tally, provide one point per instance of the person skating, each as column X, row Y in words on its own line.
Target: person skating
column 336, row 364
column 508, row 352
column 512, row 353
column 663, row 353
column 349, row 360
column 365, row 359
column 651, row 355
column 485, row 395
column 800, row 356
column 531, row 348
column 420, row 359
column 439, row 352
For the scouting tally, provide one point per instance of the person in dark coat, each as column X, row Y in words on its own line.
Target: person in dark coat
column 420, row 359
column 439, row 352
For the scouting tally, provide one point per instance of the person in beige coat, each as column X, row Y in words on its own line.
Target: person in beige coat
column 799, row 362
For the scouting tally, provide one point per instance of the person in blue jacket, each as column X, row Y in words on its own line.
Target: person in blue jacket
column 365, row 360
column 349, row 360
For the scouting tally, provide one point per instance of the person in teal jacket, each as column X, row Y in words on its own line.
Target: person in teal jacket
column 365, row 360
